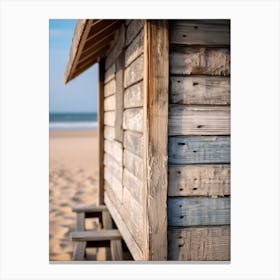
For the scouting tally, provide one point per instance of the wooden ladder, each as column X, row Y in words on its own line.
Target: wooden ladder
column 106, row 237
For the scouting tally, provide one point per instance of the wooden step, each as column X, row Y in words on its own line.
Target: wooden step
column 96, row 235
column 90, row 208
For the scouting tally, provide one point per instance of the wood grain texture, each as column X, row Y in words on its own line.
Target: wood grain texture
column 198, row 120
column 192, row 32
column 198, row 61
column 79, row 250
column 96, row 235
column 114, row 149
column 199, row 244
column 197, row 211
column 133, row 29
column 133, row 96
column 110, row 103
column 114, row 183
column 113, row 166
column 199, row 149
column 133, row 119
column 134, row 164
column 80, row 221
column 135, row 49
column 156, row 51
column 199, row 180
column 110, row 88
column 133, row 142
column 90, row 208
column 109, row 118
column 134, row 72
column 110, row 73
column 109, row 132
column 200, row 90
column 133, row 184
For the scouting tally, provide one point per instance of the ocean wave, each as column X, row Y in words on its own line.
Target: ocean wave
column 72, row 125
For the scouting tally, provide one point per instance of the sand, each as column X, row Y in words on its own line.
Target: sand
column 73, row 181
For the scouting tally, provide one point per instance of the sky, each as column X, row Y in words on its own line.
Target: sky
column 80, row 94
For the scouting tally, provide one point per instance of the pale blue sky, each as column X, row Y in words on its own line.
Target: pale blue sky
column 80, row 94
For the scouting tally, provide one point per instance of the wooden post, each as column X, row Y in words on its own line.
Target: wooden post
column 156, row 81
column 101, row 130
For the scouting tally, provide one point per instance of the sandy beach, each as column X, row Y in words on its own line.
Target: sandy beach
column 73, row 180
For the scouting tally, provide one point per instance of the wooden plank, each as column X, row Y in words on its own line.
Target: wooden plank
column 198, row 149
column 133, row 96
column 198, row 61
column 156, row 51
column 110, row 73
column 110, row 88
column 134, row 248
column 114, row 149
column 135, row 49
column 110, row 103
column 198, row 120
column 191, row 32
column 133, row 119
column 96, row 235
column 134, row 72
column 90, row 208
column 198, row 211
column 119, row 97
column 101, row 89
column 113, row 166
column 79, row 251
column 133, row 184
column 80, row 221
column 109, row 118
column 199, row 180
column 114, row 183
column 199, row 244
column 134, row 164
column 109, row 132
column 200, row 90
column 107, row 223
column 133, row 142
column 133, row 29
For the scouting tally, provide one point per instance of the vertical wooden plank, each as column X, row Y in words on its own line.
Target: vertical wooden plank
column 156, row 71
column 119, row 97
column 101, row 130
column 79, row 246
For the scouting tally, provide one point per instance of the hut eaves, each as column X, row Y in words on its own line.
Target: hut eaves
column 90, row 42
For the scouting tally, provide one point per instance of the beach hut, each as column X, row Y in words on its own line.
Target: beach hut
column 164, row 132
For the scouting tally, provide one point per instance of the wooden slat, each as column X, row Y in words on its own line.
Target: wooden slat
column 198, row 120
column 133, row 119
column 113, row 166
column 96, row 235
column 114, row 149
column 156, row 52
column 90, row 208
column 197, row 211
column 109, row 118
column 114, row 183
column 80, row 221
column 79, row 251
column 200, row 90
column 110, row 103
column 110, row 88
column 199, row 244
column 199, row 180
column 133, row 184
column 133, row 142
column 198, row 61
column 133, row 96
column 110, row 73
column 134, row 72
column 191, row 32
column 134, row 164
column 135, row 49
column 133, row 29
column 109, row 133
column 199, row 149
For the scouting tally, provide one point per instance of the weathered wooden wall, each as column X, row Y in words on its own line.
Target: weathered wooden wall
column 199, row 141
column 123, row 132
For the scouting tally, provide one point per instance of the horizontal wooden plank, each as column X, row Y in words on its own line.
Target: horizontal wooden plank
column 109, row 118
column 134, row 72
column 200, row 90
column 199, row 180
column 114, row 149
column 110, row 103
column 133, row 29
column 134, row 185
column 109, row 132
column 199, row 244
column 110, row 88
column 196, row 211
column 198, row 149
column 198, row 61
column 96, row 235
column 191, row 32
column 133, row 96
column 89, row 208
column 110, row 73
column 134, row 164
column 113, row 166
column 135, row 49
column 133, row 119
column 198, row 120
column 114, row 183
column 133, row 142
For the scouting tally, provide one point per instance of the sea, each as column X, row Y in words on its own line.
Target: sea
column 72, row 121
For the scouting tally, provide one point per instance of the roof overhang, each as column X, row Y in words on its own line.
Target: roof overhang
column 90, row 42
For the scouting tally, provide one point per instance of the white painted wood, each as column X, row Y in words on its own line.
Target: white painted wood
column 109, row 118
column 113, row 166
column 134, row 164
column 110, row 88
column 109, row 132
column 133, row 96
column 110, row 103
column 134, row 72
column 133, row 142
column 134, row 185
column 110, row 73
column 114, row 149
column 114, row 183
column 133, row 119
